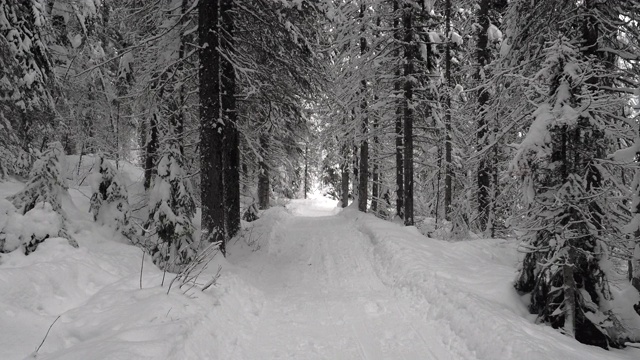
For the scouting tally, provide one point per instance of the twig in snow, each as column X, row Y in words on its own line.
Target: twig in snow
column 47, row 334
column 141, row 268
column 191, row 272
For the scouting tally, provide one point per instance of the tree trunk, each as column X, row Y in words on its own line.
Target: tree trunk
column 397, row 86
column 150, row 151
column 484, row 167
column 363, row 179
column 178, row 113
column 375, row 177
column 211, row 126
column 356, row 171
column 448, row 174
column 344, row 173
column 231, row 142
column 306, row 170
column 408, row 115
column 635, row 265
column 263, row 174
column 569, row 297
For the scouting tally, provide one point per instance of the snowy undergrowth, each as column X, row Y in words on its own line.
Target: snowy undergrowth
column 100, row 307
column 466, row 287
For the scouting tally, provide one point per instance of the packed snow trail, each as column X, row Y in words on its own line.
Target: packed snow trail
column 325, row 301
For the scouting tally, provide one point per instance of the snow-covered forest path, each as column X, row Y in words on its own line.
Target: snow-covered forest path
column 324, row 300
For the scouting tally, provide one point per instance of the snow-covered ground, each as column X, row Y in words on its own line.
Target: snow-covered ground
column 306, row 282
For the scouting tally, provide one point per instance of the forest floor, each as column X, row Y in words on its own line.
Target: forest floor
column 306, row 281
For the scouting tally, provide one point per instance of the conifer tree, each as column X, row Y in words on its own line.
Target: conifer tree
column 25, row 76
column 564, row 181
column 46, row 187
column 109, row 203
column 171, row 211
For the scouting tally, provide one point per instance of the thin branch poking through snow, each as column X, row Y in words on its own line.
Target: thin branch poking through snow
column 141, row 268
column 47, row 334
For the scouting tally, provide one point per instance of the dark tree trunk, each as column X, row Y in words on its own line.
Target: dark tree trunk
column 263, row 174
column 397, row 86
column 408, row 115
column 150, row 151
column 484, row 168
column 363, row 178
column 344, row 173
column 212, row 129
column 375, row 177
column 448, row 175
column 177, row 114
column 306, row 170
column 231, row 142
column 356, row 171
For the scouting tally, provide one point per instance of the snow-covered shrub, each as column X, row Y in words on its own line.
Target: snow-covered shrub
column 251, row 214
column 5, row 157
column 22, row 163
column 13, row 161
column 9, row 237
column 46, row 183
column 43, row 191
column 31, row 229
column 110, row 202
column 171, row 209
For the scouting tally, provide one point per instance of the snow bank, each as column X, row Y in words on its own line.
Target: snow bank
column 466, row 288
column 104, row 309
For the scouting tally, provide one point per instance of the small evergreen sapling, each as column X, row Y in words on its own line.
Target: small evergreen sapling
column 43, row 194
column 110, row 201
column 171, row 210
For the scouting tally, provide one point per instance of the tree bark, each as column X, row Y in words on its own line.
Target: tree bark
column 178, row 113
column 375, row 176
column 344, row 173
column 363, row 179
column 397, row 86
column 569, row 295
column 306, row 170
column 408, row 115
column 635, row 265
column 150, row 151
column 231, row 142
column 484, row 167
column 211, row 125
column 448, row 175
column 264, row 184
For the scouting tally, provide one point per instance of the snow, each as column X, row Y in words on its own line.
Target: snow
column 494, row 34
column 305, row 281
column 456, row 38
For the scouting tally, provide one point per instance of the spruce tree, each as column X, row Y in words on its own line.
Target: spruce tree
column 564, row 248
column 109, row 203
column 46, row 189
column 171, row 211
